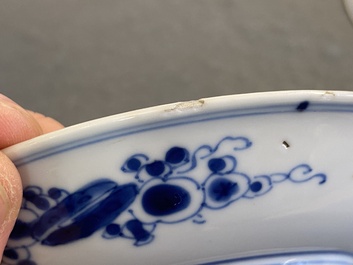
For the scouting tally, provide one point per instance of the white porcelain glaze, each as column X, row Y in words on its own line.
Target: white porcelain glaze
column 256, row 174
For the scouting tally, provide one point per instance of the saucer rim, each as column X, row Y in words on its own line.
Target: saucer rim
column 80, row 134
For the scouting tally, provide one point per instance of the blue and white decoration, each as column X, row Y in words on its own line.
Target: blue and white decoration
column 180, row 187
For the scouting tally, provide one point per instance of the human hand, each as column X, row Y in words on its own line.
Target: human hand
column 16, row 125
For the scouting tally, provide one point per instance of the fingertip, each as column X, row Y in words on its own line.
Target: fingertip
column 17, row 125
column 47, row 124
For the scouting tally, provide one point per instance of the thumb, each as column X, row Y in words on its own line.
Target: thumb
column 10, row 198
column 16, row 125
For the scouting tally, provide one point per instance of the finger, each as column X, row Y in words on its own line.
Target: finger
column 10, row 198
column 46, row 123
column 16, row 124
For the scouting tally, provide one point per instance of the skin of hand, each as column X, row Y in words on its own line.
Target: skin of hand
column 16, row 125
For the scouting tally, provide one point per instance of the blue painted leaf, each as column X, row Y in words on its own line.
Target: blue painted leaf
column 96, row 217
column 71, row 205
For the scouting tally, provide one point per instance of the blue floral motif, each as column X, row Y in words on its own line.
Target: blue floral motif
column 178, row 187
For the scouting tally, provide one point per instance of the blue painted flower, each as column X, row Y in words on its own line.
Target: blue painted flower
column 223, row 189
column 168, row 201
